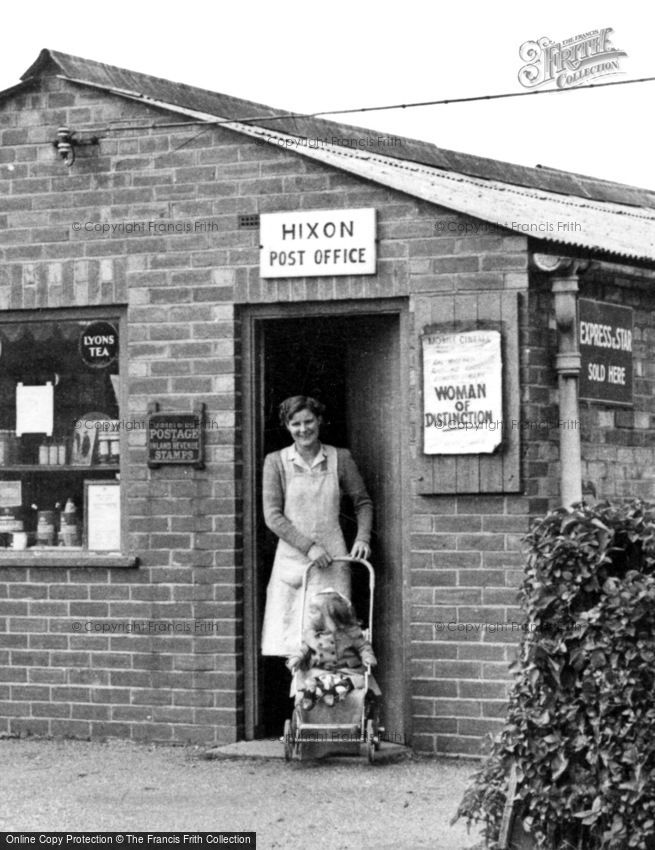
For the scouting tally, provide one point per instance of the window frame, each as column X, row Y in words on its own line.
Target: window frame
column 82, row 558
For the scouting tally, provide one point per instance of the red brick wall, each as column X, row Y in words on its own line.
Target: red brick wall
column 182, row 292
column 466, row 567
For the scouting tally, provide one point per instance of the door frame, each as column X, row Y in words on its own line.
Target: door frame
column 251, row 317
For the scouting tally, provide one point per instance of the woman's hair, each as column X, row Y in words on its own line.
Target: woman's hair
column 290, row 406
column 334, row 605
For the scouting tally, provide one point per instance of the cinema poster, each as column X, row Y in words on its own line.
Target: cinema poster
column 462, row 392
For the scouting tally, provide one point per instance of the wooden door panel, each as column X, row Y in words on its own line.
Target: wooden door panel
column 373, row 419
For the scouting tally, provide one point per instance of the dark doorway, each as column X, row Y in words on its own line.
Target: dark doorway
column 352, row 365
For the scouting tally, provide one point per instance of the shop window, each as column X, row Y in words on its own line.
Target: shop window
column 60, row 438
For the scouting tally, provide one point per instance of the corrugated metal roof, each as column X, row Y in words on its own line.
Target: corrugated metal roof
column 556, row 206
column 602, row 227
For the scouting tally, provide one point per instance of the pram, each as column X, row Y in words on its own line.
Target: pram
column 345, row 727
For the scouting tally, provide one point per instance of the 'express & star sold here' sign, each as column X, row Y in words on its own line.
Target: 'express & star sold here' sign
column 605, row 339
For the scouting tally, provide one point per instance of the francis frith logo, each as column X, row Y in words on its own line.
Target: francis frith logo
column 572, row 62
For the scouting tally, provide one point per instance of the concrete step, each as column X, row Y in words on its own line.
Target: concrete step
column 269, row 748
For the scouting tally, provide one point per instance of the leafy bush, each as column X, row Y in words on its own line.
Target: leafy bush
column 581, row 718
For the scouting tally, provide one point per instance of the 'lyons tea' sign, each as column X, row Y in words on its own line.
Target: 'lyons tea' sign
column 605, row 339
column 98, row 344
column 317, row 243
column 462, row 392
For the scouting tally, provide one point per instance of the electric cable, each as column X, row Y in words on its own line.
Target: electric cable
column 363, row 109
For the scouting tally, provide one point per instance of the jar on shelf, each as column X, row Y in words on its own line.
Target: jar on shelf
column 70, row 525
column 45, row 528
column 104, row 448
column 69, row 515
column 115, row 449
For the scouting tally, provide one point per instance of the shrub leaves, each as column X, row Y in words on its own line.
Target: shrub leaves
column 580, row 727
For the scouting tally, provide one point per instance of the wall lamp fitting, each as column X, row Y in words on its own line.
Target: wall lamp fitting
column 65, row 144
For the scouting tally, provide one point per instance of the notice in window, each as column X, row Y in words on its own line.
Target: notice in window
column 11, row 494
column 34, row 409
column 103, row 515
column 462, row 392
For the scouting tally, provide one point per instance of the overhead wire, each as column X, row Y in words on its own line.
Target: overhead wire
column 282, row 116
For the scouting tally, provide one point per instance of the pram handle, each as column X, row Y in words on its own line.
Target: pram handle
column 371, row 589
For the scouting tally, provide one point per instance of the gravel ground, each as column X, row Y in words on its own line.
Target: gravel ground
column 332, row 804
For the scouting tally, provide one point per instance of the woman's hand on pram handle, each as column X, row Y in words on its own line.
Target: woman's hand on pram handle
column 360, row 550
column 319, row 556
column 293, row 662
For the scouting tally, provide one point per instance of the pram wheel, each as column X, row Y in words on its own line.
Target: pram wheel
column 371, row 737
column 372, row 715
column 295, row 745
column 287, row 740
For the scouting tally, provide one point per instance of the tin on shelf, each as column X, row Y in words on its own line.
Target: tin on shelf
column 9, row 448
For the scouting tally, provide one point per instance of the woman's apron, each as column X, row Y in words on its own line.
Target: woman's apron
column 311, row 502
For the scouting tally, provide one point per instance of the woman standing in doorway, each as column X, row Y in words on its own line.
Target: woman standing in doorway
column 302, row 491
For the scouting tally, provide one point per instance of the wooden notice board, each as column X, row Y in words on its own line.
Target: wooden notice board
column 499, row 471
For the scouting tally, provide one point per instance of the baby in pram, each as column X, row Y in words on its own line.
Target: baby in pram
column 334, row 652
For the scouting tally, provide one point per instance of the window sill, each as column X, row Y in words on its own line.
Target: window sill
column 66, row 560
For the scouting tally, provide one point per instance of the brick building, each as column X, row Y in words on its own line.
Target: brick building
column 134, row 278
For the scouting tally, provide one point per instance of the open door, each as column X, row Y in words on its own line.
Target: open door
column 373, row 430
column 352, row 365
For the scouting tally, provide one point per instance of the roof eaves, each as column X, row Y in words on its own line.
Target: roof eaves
column 111, row 89
column 614, row 229
column 19, row 87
